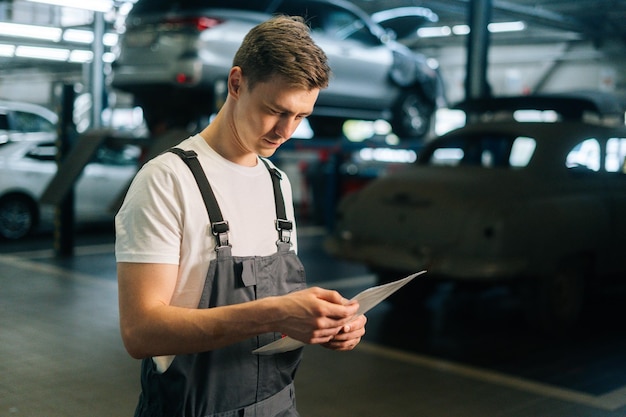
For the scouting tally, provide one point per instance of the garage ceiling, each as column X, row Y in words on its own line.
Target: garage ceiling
column 548, row 20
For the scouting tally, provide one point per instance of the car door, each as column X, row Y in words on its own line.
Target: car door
column 615, row 165
column 359, row 60
column 34, row 168
column 102, row 181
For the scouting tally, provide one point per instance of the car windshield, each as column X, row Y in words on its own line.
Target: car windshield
column 26, row 122
column 330, row 20
column 587, row 156
column 151, row 6
column 29, row 122
column 484, row 150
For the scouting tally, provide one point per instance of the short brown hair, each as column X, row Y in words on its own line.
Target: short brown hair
column 283, row 46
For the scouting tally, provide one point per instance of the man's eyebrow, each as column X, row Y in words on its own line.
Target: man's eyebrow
column 282, row 109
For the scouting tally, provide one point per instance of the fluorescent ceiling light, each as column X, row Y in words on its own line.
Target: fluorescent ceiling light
column 125, row 8
column 108, row 57
column 110, row 39
column 434, row 32
column 506, row 27
column 81, row 56
column 30, row 31
column 459, row 30
column 55, row 54
column 78, row 36
column 87, row 37
column 93, row 5
column 6, row 49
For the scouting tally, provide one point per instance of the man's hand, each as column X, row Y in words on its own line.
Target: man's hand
column 349, row 336
column 319, row 316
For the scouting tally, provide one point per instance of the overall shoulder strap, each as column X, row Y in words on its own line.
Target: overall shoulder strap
column 219, row 227
column 283, row 225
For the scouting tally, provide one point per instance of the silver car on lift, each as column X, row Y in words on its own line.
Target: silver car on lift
column 174, row 57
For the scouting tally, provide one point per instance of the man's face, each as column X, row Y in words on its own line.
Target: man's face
column 267, row 116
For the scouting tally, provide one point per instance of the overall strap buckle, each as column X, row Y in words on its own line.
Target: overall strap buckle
column 284, row 228
column 220, row 231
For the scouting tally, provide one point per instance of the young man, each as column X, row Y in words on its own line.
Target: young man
column 199, row 292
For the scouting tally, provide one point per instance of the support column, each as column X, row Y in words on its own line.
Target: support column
column 476, row 84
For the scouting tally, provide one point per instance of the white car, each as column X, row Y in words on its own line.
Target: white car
column 537, row 205
column 26, row 168
column 24, row 121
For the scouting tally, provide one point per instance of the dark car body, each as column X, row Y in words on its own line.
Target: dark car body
column 537, row 205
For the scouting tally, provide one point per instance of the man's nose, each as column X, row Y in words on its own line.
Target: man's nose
column 286, row 126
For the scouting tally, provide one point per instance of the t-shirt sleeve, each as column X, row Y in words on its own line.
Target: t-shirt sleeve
column 148, row 226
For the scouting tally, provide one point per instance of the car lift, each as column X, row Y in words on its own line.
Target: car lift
column 73, row 157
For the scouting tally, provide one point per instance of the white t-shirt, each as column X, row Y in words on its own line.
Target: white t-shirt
column 164, row 220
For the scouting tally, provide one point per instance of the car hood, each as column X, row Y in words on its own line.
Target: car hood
column 428, row 205
column 420, row 186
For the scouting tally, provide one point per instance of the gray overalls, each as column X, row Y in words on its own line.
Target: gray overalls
column 232, row 381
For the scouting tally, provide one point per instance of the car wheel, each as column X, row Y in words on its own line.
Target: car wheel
column 553, row 304
column 161, row 118
column 178, row 112
column 18, row 217
column 326, row 127
column 411, row 116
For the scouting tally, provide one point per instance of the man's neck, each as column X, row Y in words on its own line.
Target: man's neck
column 219, row 136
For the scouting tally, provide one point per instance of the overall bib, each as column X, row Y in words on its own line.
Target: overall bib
column 232, row 381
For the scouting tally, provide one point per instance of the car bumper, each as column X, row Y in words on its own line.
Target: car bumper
column 183, row 73
column 448, row 266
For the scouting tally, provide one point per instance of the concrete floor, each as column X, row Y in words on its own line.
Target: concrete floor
column 62, row 356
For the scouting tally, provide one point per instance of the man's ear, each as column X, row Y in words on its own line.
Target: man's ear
column 235, row 81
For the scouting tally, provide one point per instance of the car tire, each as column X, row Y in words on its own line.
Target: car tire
column 161, row 118
column 326, row 126
column 179, row 111
column 18, row 216
column 554, row 303
column 412, row 116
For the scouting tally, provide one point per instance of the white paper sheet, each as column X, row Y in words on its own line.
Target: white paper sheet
column 367, row 299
